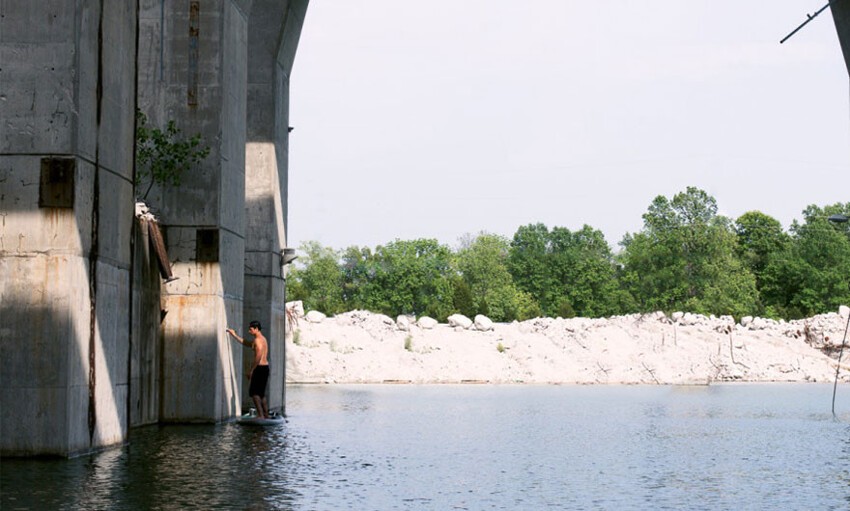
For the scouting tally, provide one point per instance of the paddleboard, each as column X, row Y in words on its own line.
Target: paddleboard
column 253, row 420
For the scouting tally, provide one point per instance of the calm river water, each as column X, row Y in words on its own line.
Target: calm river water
column 475, row 447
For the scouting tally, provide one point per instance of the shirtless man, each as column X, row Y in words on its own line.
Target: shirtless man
column 259, row 373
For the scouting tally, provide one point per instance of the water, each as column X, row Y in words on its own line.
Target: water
column 477, row 447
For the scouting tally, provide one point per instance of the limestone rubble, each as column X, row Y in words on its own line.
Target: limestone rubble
column 683, row 348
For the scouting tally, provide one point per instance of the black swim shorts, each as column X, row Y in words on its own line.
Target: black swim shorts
column 259, row 379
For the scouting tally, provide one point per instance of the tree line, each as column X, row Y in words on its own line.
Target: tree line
column 686, row 257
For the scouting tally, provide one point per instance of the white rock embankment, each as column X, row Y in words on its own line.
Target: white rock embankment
column 362, row 347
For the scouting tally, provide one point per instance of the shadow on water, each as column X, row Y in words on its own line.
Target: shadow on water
column 163, row 467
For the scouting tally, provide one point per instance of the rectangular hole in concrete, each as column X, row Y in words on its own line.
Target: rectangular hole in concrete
column 56, row 187
column 206, row 246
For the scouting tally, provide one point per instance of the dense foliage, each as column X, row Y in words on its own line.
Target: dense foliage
column 687, row 257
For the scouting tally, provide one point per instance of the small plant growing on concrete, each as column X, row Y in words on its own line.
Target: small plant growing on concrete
column 296, row 337
column 408, row 343
column 500, row 348
column 163, row 157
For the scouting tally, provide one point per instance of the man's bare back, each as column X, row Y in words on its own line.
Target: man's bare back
column 261, row 349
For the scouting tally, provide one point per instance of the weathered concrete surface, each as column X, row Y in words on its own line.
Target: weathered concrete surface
column 84, row 351
column 193, row 70
column 274, row 31
column 233, row 92
column 209, row 295
column 67, row 81
column 841, row 16
column 145, row 372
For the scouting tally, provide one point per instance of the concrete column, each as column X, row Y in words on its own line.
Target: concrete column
column 841, row 16
column 193, row 70
column 67, row 96
column 274, row 30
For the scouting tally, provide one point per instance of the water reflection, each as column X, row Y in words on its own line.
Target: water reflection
column 171, row 467
column 475, row 447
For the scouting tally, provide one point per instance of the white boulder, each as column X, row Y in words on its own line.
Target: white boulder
column 459, row 320
column 315, row 317
column 691, row 319
column 426, row 323
column 844, row 311
column 483, row 323
column 403, row 323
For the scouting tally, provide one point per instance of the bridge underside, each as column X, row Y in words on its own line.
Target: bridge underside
column 841, row 16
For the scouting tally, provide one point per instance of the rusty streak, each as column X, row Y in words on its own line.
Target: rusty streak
column 194, row 31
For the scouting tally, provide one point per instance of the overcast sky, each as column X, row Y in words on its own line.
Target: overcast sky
column 435, row 119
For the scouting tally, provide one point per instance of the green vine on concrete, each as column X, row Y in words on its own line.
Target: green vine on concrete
column 164, row 156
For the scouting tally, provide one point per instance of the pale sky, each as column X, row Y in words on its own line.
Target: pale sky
column 441, row 118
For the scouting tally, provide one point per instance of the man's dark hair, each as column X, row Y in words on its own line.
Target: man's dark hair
column 255, row 324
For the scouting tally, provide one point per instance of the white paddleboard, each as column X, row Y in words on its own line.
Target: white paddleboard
column 253, row 420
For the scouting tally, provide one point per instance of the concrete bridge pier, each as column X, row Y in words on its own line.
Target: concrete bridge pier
column 193, row 70
column 220, row 68
column 67, row 80
column 274, row 30
column 92, row 342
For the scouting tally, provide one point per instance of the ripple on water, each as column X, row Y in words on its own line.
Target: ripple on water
column 476, row 447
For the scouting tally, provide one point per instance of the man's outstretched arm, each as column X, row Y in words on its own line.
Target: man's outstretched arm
column 238, row 339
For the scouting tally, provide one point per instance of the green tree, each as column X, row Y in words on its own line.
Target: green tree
column 759, row 236
column 317, row 279
column 529, row 265
column 462, row 299
column 685, row 258
column 582, row 267
column 164, row 156
column 483, row 267
column 567, row 273
column 359, row 268
column 812, row 274
column 410, row 277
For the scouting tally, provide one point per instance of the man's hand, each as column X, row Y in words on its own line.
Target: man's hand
column 236, row 337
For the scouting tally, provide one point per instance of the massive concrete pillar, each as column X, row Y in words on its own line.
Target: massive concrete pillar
column 67, row 96
column 274, row 30
column 841, row 16
column 193, row 70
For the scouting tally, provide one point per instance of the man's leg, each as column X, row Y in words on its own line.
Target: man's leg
column 258, row 404
column 266, row 406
